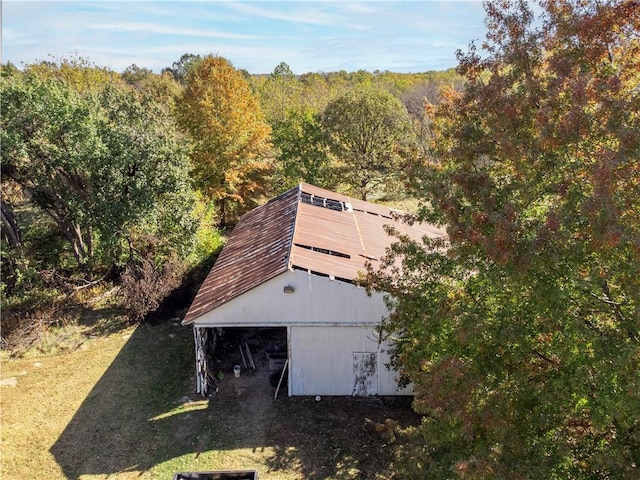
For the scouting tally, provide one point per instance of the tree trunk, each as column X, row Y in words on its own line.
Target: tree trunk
column 223, row 213
column 73, row 234
column 10, row 227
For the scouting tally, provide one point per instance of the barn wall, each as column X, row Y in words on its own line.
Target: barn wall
column 388, row 383
column 328, row 322
column 323, row 358
column 316, row 300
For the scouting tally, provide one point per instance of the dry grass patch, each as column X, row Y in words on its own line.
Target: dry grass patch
column 115, row 409
column 49, row 391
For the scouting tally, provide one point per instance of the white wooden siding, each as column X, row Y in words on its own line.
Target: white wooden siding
column 317, row 300
column 322, row 361
column 328, row 321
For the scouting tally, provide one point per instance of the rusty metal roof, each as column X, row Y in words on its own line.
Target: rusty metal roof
column 306, row 228
column 257, row 250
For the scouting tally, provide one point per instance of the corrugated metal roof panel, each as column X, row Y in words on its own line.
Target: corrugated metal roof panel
column 307, row 228
column 257, row 250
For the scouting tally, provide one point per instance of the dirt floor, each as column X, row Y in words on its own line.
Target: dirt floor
column 260, row 342
column 251, row 392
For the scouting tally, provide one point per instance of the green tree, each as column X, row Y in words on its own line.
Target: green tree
column 104, row 163
column 181, row 69
column 316, row 92
column 521, row 332
column 162, row 88
column 280, row 93
column 134, row 74
column 368, row 131
column 303, row 155
column 231, row 161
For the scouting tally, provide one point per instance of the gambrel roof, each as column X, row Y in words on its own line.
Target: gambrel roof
column 306, row 228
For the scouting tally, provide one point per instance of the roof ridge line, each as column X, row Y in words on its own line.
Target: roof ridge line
column 293, row 229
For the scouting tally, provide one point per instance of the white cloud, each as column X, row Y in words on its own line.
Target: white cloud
column 15, row 37
column 297, row 13
column 139, row 27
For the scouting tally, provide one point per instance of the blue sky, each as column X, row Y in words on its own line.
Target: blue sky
column 310, row 36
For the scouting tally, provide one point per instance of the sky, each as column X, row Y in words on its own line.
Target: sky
column 310, row 36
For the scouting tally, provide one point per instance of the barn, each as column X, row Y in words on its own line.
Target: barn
column 291, row 266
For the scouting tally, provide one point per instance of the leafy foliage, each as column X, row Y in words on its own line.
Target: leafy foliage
column 103, row 163
column 303, row 151
column 294, row 106
column 368, row 130
column 521, row 331
column 230, row 159
column 162, row 88
column 183, row 67
column 280, row 93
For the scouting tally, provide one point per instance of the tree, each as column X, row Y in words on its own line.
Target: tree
column 10, row 228
column 163, row 88
column 133, row 74
column 368, row 130
column 181, row 69
column 282, row 70
column 280, row 93
column 521, row 332
column 231, row 156
column 104, row 163
column 316, row 92
column 79, row 73
column 303, row 152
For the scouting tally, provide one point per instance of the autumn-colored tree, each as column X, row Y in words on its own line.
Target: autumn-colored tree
column 80, row 73
column 231, row 155
column 521, row 332
column 368, row 129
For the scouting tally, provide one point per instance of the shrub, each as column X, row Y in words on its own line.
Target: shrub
column 145, row 284
column 26, row 320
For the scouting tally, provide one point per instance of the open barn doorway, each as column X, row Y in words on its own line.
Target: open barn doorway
column 241, row 355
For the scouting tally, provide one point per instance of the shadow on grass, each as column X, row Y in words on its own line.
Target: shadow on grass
column 133, row 420
column 113, row 430
column 104, row 321
column 341, row 438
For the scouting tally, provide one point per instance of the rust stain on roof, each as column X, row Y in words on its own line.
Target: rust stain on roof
column 307, row 228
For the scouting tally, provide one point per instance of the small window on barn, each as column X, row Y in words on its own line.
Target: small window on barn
column 319, row 201
column 324, row 251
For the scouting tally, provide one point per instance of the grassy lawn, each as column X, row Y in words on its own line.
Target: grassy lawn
column 112, row 409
